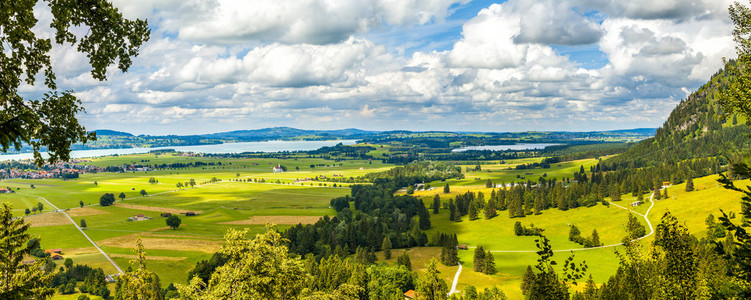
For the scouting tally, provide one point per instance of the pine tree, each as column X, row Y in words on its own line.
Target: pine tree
column 454, row 214
column 489, row 267
column 386, row 247
column 404, row 260
column 573, row 233
column 527, row 280
column 689, row 184
column 595, row 239
column 446, row 189
column 449, row 254
column 424, row 216
column 473, row 210
column 488, row 184
column 83, row 223
column 18, row 280
column 479, row 259
column 436, row 204
column 665, row 194
column 490, row 209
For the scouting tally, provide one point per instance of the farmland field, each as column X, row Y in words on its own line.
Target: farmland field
column 244, row 193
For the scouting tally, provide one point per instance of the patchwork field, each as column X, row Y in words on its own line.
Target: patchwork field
column 235, row 201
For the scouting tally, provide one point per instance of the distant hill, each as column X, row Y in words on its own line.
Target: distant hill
column 286, row 132
column 101, row 132
column 693, row 130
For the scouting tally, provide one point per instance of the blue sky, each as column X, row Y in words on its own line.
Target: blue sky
column 517, row 65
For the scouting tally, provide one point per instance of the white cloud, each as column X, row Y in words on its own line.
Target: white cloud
column 308, row 64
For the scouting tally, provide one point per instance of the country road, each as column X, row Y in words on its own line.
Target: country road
column 651, row 231
column 120, row 271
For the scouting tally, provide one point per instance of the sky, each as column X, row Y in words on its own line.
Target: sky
column 456, row 65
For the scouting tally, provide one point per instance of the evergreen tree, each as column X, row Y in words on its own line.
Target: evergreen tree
column 573, row 233
column 19, row 280
column 479, row 259
column 518, row 229
column 454, row 214
column 490, row 209
column 83, row 223
column 424, row 216
column 595, row 239
column 386, row 247
column 473, row 210
column 449, row 254
column 527, row 280
column 404, row 260
column 665, row 194
column 488, row 184
column 689, row 184
column 446, row 189
column 436, row 204
column 489, row 267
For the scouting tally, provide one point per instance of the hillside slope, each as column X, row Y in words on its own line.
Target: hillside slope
column 695, row 129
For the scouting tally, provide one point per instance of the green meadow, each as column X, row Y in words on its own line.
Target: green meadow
column 235, row 201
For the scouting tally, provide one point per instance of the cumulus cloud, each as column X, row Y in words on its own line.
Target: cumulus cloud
column 220, row 65
column 304, row 21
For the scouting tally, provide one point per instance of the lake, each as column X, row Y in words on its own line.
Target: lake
column 268, row 146
column 530, row 146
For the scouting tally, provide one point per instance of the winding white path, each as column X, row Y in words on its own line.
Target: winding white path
column 651, row 232
column 456, row 280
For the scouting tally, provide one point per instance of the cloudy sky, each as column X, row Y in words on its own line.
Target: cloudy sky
column 460, row 65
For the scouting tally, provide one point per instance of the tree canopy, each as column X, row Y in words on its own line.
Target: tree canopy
column 51, row 121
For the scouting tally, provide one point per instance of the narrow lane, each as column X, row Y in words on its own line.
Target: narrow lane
column 120, row 271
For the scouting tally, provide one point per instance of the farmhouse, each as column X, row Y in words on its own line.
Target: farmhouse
column 410, row 295
column 56, row 256
column 166, row 215
column 636, row 203
column 4, row 190
column 139, row 218
column 190, row 213
column 53, row 251
column 278, row 169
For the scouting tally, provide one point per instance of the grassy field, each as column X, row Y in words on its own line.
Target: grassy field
column 691, row 209
column 234, row 202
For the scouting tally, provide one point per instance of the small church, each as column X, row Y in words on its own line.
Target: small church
column 278, row 169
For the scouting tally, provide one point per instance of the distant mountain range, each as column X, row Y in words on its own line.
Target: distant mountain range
column 274, row 133
column 110, row 139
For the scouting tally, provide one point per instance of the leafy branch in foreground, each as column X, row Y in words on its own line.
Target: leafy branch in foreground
column 51, row 121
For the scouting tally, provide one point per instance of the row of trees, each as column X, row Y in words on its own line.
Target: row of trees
column 574, row 235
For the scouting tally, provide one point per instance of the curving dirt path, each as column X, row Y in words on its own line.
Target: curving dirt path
column 651, row 232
